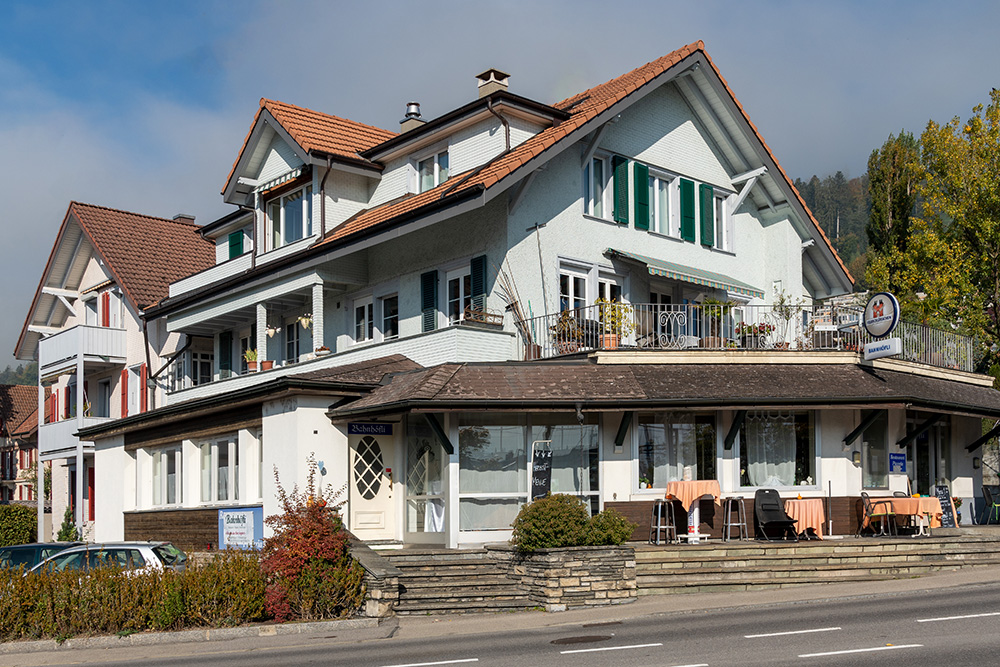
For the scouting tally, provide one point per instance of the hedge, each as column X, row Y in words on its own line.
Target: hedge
column 18, row 524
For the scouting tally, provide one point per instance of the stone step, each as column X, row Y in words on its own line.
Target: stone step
column 463, row 607
column 846, row 560
column 709, row 586
column 457, row 584
column 470, row 593
column 684, row 553
column 447, row 567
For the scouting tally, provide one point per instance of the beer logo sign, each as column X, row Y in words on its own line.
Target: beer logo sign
column 881, row 315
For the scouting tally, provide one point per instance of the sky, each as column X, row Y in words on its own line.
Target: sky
column 143, row 106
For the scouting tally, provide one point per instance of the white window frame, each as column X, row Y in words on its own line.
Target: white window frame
column 208, row 453
column 463, row 276
column 159, row 460
column 590, row 187
column 382, row 329
column 197, row 358
column 134, row 382
column 573, row 300
column 671, row 225
column 91, row 312
column 277, row 236
column 440, row 173
column 724, row 228
column 368, row 333
column 292, row 335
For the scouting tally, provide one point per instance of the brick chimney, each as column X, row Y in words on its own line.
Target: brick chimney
column 412, row 119
column 491, row 81
column 184, row 217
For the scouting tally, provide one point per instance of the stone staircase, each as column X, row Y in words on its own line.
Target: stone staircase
column 740, row 566
column 439, row 581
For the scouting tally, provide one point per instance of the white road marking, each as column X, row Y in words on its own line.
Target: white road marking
column 793, row 632
column 610, row 648
column 442, row 662
column 861, row 650
column 955, row 618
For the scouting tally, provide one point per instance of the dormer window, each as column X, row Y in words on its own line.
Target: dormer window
column 432, row 171
column 289, row 217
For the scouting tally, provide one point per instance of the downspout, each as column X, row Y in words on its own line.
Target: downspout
column 322, row 202
column 149, row 364
column 477, row 170
column 506, row 125
column 187, row 343
column 256, row 207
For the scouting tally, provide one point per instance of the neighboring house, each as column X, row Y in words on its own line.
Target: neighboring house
column 97, row 359
column 18, row 442
column 403, row 295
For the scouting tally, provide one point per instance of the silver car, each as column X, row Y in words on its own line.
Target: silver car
column 135, row 556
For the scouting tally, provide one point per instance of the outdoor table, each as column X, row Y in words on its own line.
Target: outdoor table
column 689, row 493
column 808, row 513
column 925, row 508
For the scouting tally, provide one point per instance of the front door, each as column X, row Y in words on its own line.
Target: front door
column 373, row 515
column 425, row 499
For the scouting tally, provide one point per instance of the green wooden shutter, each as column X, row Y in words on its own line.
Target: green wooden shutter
column 226, row 353
column 687, row 210
column 429, row 300
column 235, row 244
column 478, row 271
column 619, row 166
column 707, row 205
column 641, row 187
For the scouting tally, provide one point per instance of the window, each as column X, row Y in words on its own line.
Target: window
column 364, row 321
column 572, row 290
column 178, row 373
column 235, row 241
column 609, row 289
column 201, row 367
column 390, row 317
column 167, row 477
column 672, row 441
column 245, row 345
column 220, row 470
column 596, row 177
column 91, row 315
column 661, row 207
column 289, row 217
column 875, row 452
column 102, row 406
column 292, row 342
column 432, row 171
column 459, row 294
column 778, row 449
column 724, row 230
column 492, row 470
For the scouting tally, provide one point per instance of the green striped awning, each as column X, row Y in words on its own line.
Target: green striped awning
column 660, row 267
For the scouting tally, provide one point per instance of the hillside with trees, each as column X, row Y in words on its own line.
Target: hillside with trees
column 840, row 205
column 23, row 374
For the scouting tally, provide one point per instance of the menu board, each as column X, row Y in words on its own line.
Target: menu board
column 947, row 513
column 541, row 471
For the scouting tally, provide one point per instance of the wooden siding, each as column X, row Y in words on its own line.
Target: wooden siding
column 193, row 429
column 189, row 529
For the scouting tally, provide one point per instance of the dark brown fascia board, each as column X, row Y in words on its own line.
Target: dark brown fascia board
column 227, row 219
column 432, row 126
column 169, row 305
column 198, row 407
column 484, row 405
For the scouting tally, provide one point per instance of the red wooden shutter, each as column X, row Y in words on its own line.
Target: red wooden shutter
column 143, row 395
column 55, row 405
column 66, row 402
column 124, row 391
column 90, row 493
column 106, row 309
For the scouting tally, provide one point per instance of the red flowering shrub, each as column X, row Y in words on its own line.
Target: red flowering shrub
column 310, row 573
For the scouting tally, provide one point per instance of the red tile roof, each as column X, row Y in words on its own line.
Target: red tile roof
column 17, row 403
column 318, row 132
column 143, row 253
column 583, row 107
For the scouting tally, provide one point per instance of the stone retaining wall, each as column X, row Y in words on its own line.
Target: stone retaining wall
column 558, row 579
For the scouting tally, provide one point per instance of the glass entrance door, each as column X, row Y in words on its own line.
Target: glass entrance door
column 928, row 456
column 425, row 503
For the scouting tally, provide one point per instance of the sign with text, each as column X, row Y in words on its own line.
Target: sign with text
column 886, row 347
column 881, row 315
column 947, row 510
column 241, row 528
column 541, row 469
column 358, row 428
column 897, row 462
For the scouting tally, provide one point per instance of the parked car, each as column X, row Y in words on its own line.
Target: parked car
column 137, row 556
column 29, row 555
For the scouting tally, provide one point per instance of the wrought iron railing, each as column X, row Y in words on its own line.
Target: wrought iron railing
column 728, row 327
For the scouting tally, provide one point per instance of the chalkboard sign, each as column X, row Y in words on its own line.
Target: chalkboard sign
column 947, row 515
column 541, row 470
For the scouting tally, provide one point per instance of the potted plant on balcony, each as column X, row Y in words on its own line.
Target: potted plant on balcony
column 785, row 308
column 250, row 356
column 715, row 313
column 567, row 333
column 616, row 322
column 753, row 335
column 322, row 350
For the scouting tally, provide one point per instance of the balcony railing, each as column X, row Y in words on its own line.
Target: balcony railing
column 59, row 351
column 58, row 436
column 727, row 327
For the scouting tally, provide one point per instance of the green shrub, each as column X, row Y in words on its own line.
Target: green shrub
column 18, row 524
column 562, row 520
column 558, row 520
column 608, row 528
column 67, row 531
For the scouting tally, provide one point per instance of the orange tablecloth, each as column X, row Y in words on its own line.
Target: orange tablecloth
column 808, row 513
column 688, row 492
column 930, row 506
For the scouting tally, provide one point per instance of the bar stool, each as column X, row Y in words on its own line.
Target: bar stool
column 735, row 502
column 662, row 521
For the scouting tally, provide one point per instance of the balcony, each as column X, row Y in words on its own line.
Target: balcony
column 58, row 353
column 643, row 326
column 57, row 439
column 457, row 343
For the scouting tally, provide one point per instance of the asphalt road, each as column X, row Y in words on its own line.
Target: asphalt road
column 949, row 626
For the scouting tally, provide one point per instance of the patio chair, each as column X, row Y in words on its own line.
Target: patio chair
column 880, row 510
column 991, row 508
column 769, row 515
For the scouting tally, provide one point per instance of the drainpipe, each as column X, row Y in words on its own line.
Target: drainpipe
column 506, row 125
column 256, row 208
column 149, row 364
column 322, row 201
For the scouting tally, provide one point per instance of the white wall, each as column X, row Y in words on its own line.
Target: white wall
column 115, row 488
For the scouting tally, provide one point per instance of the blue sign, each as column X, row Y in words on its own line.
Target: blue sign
column 241, row 528
column 897, row 462
column 358, row 428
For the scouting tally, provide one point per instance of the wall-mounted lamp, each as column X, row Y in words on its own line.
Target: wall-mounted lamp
column 977, row 463
column 856, row 457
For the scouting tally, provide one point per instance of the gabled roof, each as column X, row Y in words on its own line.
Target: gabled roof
column 17, row 403
column 316, row 132
column 143, row 254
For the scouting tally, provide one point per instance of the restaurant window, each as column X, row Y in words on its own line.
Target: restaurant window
column 492, row 470
column 778, row 449
column 875, row 452
column 575, row 454
column 220, row 470
column 167, row 476
column 669, row 442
